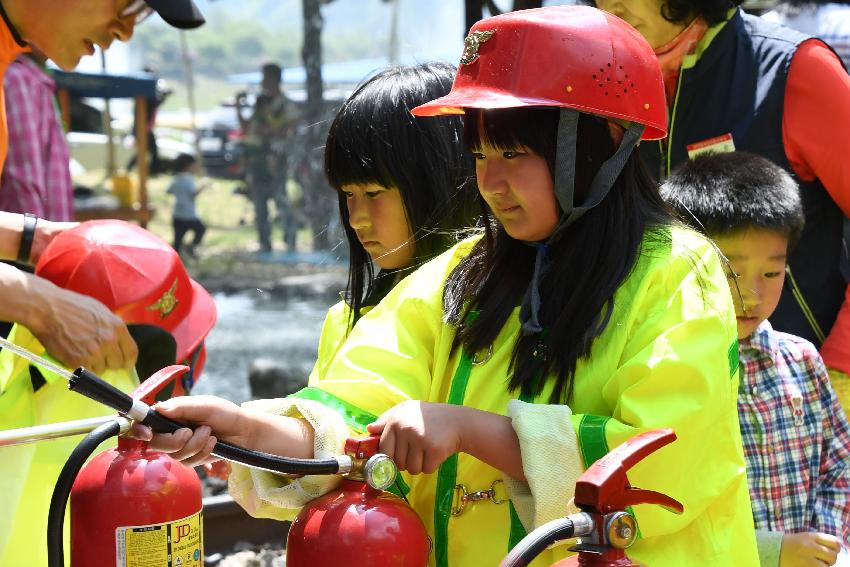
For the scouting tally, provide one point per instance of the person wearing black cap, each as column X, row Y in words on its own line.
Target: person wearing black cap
column 65, row 30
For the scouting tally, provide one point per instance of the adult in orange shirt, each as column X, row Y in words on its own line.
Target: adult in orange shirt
column 77, row 329
column 737, row 82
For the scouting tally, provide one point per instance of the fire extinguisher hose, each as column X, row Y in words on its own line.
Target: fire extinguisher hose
column 59, row 500
column 92, row 386
column 535, row 542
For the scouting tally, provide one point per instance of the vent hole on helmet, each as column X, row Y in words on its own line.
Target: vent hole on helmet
column 594, row 76
column 632, row 85
column 609, row 64
column 625, row 90
column 601, row 85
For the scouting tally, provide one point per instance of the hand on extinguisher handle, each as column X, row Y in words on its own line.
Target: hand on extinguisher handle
column 92, row 386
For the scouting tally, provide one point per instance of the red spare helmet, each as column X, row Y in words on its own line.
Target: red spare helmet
column 562, row 56
column 138, row 276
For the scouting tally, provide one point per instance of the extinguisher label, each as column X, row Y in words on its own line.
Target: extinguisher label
column 173, row 544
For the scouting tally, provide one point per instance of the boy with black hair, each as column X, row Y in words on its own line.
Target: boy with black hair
column 795, row 433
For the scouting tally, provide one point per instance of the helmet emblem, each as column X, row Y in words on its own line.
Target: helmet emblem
column 166, row 303
column 471, row 44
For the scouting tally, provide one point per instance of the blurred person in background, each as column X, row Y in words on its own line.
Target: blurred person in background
column 185, row 188
column 267, row 130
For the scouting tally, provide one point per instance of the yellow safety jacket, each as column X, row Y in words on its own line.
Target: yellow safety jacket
column 668, row 358
column 334, row 333
column 29, row 472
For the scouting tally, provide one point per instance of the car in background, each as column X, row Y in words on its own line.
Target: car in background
column 89, row 143
column 220, row 143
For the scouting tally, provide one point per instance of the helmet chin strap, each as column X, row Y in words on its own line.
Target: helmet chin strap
column 565, row 162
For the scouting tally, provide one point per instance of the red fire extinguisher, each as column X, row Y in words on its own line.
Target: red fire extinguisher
column 604, row 494
column 360, row 523
column 134, row 506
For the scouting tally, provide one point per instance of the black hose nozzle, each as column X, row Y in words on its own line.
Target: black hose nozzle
column 96, row 388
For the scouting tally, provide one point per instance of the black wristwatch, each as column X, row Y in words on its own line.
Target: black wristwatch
column 27, row 236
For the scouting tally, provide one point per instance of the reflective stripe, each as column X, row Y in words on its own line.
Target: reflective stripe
column 517, row 529
column 734, row 362
column 447, row 474
column 594, row 445
column 355, row 417
column 591, row 438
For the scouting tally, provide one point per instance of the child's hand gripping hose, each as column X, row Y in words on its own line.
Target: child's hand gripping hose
column 92, row 386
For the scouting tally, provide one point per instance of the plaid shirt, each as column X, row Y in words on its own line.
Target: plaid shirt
column 796, row 437
column 37, row 177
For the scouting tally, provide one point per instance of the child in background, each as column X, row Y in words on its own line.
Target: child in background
column 185, row 189
column 582, row 316
column 796, row 435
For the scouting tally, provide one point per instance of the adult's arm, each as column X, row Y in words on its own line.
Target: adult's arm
column 815, row 129
column 11, row 230
column 76, row 329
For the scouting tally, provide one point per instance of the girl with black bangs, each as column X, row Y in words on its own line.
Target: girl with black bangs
column 376, row 148
column 583, row 316
column 404, row 184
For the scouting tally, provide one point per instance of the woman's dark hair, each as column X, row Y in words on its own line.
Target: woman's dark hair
column 683, row 11
column 588, row 262
column 375, row 139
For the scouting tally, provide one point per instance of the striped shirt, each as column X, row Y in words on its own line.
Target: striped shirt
column 37, row 177
column 796, row 437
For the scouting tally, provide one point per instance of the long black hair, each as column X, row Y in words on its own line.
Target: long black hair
column 684, row 11
column 588, row 261
column 375, row 139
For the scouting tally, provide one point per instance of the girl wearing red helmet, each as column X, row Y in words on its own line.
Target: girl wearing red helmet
column 582, row 316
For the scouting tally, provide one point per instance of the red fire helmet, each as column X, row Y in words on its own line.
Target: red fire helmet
column 563, row 56
column 137, row 275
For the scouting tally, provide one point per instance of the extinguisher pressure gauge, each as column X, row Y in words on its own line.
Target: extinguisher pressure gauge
column 380, row 471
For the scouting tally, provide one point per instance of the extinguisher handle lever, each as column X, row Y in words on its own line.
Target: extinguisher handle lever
column 633, row 496
column 604, row 487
